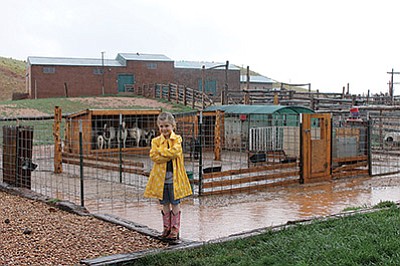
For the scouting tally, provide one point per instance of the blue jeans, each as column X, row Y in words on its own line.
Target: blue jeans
column 168, row 195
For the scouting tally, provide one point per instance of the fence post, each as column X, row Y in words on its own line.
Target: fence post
column 217, row 136
column 193, row 97
column 369, row 132
column 81, row 164
column 57, row 141
column 184, row 95
column 177, row 94
column 161, row 90
column 201, row 153
column 120, row 147
column 169, row 92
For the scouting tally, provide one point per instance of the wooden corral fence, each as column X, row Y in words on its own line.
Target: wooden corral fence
column 173, row 93
column 317, row 101
column 250, row 179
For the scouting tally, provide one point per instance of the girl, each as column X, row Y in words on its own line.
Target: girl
column 168, row 180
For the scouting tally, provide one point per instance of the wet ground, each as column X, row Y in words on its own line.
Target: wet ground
column 212, row 217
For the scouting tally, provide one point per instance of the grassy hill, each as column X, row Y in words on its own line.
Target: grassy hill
column 12, row 77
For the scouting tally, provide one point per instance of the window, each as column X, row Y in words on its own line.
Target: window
column 98, row 71
column 49, row 70
column 151, row 65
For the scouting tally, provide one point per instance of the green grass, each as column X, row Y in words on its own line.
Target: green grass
column 14, row 65
column 44, row 127
column 69, row 106
column 361, row 239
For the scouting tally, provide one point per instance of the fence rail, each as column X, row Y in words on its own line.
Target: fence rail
column 173, row 93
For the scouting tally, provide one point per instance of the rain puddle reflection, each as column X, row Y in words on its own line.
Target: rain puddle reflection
column 211, row 217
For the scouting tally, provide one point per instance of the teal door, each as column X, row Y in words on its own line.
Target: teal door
column 125, row 79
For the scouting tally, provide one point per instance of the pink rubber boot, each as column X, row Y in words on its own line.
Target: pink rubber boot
column 175, row 226
column 167, row 224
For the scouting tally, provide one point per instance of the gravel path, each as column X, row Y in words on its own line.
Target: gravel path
column 33, row 232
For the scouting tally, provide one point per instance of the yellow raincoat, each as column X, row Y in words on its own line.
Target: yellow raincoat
column 160, row 154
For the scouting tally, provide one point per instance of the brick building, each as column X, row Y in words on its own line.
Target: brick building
column 49, row 77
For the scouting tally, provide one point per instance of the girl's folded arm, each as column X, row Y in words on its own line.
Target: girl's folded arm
column 174, row 151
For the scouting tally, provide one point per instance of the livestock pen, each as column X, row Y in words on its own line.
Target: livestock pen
column 225, row 152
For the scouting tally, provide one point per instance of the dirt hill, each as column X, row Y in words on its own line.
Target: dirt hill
column 12, row 77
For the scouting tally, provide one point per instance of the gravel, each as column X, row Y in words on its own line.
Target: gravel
column 33, row 232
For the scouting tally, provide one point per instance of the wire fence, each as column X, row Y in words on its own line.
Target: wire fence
column 100, row 158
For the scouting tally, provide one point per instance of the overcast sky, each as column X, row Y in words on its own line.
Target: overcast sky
column 325, row 43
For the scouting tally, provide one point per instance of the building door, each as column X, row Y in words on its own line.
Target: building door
column 124, row 80
column 316, row 147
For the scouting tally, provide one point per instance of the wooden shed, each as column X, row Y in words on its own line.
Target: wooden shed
column 93, row 122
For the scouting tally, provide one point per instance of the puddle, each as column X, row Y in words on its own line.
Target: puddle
column 211, row 217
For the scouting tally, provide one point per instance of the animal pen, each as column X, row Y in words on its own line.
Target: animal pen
column 227, row 149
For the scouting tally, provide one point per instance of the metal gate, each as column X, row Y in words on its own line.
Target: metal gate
column 385, row 142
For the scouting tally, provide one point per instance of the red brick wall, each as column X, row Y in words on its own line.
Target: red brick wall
column 164, row 73
column 81, row 81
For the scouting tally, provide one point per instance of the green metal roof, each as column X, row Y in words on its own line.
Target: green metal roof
column 260, row 109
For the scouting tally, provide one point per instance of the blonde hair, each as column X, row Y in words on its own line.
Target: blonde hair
column 167, row 117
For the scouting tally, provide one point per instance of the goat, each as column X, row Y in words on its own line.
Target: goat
column 137, row 134
column 150, row 134
column 100, row 142
column 109, row 135
column 122, row 134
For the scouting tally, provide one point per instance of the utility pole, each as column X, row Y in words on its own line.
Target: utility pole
column 225, row 98
column 391, row 92
column 203, row 68
column 102, row 73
